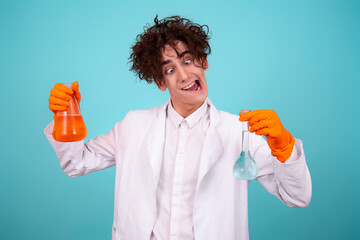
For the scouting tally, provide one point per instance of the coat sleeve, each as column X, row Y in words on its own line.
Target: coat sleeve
column 289, row 181
column 79, row 158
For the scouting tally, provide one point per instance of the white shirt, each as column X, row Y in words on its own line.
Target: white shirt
column 184, row 138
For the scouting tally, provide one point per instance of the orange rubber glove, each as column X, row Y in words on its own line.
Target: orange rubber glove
column 267, row 123
column 60, row 96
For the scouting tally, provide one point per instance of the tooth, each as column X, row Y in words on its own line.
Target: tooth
column 188, row 86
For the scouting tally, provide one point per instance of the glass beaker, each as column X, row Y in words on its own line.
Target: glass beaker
column 245, row 167
column 69, row 124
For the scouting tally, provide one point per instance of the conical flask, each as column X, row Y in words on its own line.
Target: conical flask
column 69, row 124
column 245, row 167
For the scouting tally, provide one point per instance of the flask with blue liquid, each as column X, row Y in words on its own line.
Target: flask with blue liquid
column 245, row 167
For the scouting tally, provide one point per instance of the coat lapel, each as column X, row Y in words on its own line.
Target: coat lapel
column 155, row 140
column 213, row 146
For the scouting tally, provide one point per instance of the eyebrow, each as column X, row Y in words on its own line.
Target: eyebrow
column 179, row 56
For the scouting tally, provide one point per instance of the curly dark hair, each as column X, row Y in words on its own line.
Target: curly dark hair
column 146, row 52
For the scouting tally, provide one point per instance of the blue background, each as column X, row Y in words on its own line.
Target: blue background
column 299, row 58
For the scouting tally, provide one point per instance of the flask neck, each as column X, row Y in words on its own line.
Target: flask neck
column 69, row 85
column 73, row 109
column 245, row 137
column 245, row 126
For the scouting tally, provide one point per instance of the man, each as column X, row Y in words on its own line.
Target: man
column 174, row 162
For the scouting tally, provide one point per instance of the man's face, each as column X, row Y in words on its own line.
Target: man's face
column 185, row 80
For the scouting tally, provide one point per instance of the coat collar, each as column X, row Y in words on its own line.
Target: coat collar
column 212, row 148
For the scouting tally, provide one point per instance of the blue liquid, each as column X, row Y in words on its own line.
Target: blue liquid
column 245, row 167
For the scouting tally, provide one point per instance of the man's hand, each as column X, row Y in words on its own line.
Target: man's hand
column 60, row 96
column 267, row 123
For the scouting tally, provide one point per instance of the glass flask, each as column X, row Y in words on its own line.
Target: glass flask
column 69, row 124
column 245, row 167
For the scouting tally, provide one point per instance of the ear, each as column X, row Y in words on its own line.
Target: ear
column 161, row 86
column 206, row 64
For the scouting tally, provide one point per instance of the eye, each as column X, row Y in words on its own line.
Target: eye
column 187, row 61
column 169, row 71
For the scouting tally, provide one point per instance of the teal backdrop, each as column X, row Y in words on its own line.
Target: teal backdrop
column 299, row 58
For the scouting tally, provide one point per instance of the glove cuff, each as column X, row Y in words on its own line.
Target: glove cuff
column 284, row 154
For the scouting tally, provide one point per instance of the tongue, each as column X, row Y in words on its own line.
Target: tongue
column 193, row 88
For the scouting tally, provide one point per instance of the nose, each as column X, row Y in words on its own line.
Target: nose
column 183, row 73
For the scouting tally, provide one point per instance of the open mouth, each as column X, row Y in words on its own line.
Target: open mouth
column 194, row 86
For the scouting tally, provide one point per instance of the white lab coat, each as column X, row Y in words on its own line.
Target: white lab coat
column 135, row 146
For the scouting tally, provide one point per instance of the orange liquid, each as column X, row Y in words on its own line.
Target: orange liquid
column 69, row 128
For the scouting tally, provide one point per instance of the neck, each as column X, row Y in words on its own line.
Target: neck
column 185, row 110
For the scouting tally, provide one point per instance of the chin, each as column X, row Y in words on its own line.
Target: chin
column 198, row 100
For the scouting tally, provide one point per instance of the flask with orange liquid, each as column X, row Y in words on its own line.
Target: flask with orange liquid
column 69, row 124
